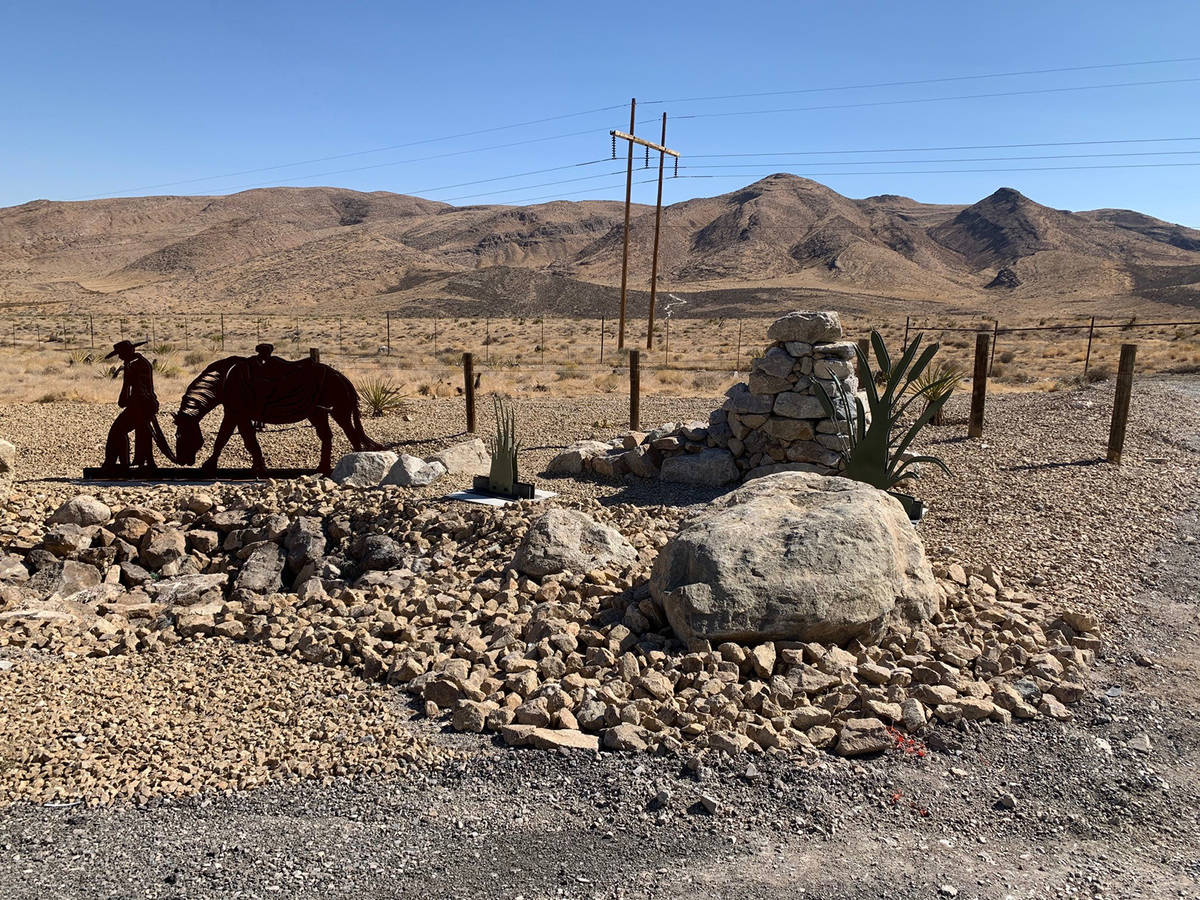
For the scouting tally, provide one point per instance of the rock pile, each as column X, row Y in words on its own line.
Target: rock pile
column 378, row 468
column 426, row 597
column 775, row 422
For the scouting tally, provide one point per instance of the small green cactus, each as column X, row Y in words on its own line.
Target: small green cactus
column 503, row 474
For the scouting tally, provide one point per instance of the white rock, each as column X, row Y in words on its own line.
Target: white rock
column 364, row 470
column 809, row 327
column 412, row 471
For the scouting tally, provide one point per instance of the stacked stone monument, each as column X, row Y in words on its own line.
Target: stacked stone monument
column 775, row 422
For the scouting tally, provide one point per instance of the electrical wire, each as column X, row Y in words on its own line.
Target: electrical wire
column 914, row 100
column 945, row 149
column 943, row 80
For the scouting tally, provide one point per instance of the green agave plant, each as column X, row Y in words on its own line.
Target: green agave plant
column 876, row 452
column 503, row 474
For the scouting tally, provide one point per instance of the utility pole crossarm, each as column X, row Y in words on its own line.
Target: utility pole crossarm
column 637, row 140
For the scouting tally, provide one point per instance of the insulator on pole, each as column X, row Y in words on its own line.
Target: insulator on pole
column 677, row 167
column 647, row 165
column 614, row 137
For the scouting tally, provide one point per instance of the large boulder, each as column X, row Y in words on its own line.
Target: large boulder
column 364, row 470
column 795, row 556
column 467, row 458
column 83, row 509
column 807, row 327
column 565, row 540
column 712, row 466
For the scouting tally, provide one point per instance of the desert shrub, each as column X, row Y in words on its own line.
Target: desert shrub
column 380, row 396
column 1007, row 356
column 195, row 358
column 161, row 348
column 81, row 358
column 165, row 366
column 1101, row 372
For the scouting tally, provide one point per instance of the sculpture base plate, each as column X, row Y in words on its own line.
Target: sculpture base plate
column 196, row 474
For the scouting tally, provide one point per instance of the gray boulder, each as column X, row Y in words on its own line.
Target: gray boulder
column 364, row 470
column 82, row 510
column 261, row 571
column 809, row 327
column 572, row 460
column 565, row 540
column 467, row 458
column 186, row 590
column 798, row 406
column 712, row 467
column 304, row 542
column 794, row 556
column 412, row 471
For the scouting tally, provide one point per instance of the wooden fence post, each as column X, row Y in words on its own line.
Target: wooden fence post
column 1116, row 432
column 907, row 321
column 737, row 360
column 469, row 389
column 602, row 339
column 995, row 341
column 222, row 331
column 388, row 316
column 1087, row 357
column 979, row 385
column 314, row 354
column 635, row 389
column 92, row 330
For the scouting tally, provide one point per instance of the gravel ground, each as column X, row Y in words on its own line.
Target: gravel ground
column 1104, row 805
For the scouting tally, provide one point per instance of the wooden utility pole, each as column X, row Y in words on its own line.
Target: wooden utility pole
column 662, row 155
column 662, row 151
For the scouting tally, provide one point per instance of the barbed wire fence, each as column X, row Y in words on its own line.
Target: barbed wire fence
column 719, row 344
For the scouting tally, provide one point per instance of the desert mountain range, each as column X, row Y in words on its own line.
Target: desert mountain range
column 282, row 249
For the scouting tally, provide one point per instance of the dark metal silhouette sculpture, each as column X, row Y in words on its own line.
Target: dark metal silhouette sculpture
column 139, row 406
column 266, row 390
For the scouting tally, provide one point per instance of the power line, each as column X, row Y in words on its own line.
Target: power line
column 526, row 187
column 914, row 100
column 943, row 149
column 445, row 187
column 960, row 159
column 304, row 162
column 943, row 80
column 954, row 171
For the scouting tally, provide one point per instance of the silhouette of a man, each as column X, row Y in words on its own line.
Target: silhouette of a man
column 139, row 405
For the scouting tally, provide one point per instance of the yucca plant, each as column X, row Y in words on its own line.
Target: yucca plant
column 380, row 396
column 875, row 453
column 503, row 473
column 939, row 380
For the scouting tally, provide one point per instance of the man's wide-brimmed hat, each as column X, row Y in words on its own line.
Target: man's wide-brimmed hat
column 121, row 346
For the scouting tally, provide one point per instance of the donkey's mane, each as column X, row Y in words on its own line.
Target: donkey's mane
column 205, row 390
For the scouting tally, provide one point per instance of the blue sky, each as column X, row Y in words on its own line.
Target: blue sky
column 130, row 98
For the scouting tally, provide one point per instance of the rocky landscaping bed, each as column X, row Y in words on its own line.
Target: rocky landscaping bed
column 547, row 627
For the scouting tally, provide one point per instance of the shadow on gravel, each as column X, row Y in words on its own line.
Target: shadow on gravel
column 1038, row 467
